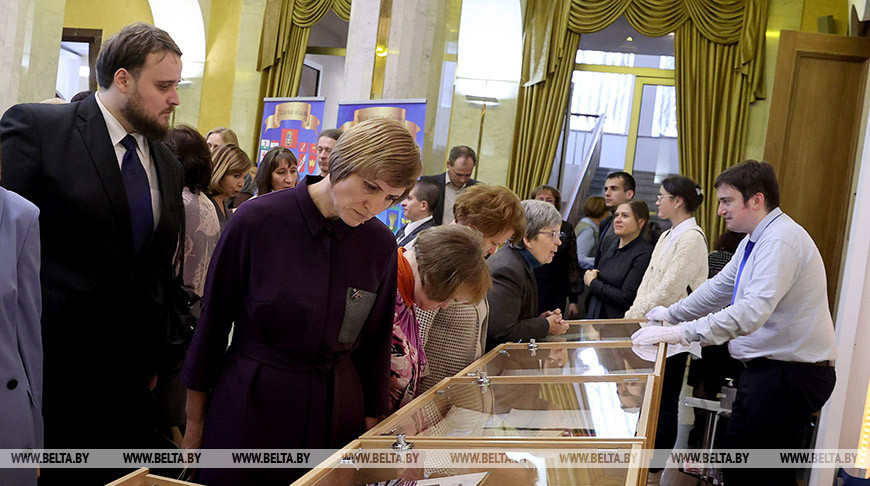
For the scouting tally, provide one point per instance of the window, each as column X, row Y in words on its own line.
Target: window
column 626, row 80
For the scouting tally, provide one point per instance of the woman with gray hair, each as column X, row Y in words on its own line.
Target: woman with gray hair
column 514, row 296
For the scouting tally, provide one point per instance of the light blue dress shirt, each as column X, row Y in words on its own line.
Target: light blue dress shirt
column 780, row 306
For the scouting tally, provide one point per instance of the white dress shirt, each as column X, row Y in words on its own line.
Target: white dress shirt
column 780, row 309
column 116, row 134
column 450, row 194
column 410, row 227
column 679, row 229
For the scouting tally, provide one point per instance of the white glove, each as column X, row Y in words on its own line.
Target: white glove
column 650, row 335
column 659, row 313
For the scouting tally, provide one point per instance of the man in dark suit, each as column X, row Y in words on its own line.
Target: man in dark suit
column 619, row 187
column 109, row 195
column 418, row 210
column 460, row 165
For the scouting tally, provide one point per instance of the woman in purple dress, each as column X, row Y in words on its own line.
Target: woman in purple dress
column 308, row 279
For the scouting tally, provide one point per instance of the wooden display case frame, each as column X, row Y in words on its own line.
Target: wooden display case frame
column 634, row 476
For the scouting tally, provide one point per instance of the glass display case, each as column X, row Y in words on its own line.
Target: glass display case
column 592, row 392
column 598, row 330
column 600, row 407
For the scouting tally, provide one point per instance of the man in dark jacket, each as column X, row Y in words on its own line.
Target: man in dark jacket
column 460, row 166
column 109, row 194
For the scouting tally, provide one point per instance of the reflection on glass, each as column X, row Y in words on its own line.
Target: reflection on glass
column 570, row 361
column 593, row 409
column 595, row 332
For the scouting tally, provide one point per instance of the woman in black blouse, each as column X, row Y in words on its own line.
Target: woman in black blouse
column 613, row 286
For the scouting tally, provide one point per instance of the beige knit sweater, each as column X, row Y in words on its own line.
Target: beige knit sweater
column 669, row 273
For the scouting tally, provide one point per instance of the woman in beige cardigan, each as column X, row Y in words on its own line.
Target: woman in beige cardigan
column 678, row 265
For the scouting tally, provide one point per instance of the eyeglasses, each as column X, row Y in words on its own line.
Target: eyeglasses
column 659, row 197
column 553, row 234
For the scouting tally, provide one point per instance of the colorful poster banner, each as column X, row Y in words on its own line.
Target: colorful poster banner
column 292, row 123
column 410, row 113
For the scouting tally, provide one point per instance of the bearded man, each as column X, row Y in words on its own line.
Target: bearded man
column 109, row 194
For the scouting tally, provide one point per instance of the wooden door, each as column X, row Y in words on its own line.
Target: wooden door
column 812, row 135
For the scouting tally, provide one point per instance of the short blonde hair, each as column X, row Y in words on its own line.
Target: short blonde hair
column 449, row 262
column 490, row 210
column 379, row 149
column 226, row 159
column 228, row 136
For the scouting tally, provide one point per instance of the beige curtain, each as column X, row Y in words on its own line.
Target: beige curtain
column 286, row 26
column 719, row 48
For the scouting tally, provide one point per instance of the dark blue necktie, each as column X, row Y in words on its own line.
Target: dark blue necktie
column 138, row 193
column 746, row 251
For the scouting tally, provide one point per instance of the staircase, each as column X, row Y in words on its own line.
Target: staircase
column 646, row 190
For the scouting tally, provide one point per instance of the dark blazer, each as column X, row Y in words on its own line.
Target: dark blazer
column 513, row 300
column 605, row 238
column 439, row 180
column 105, row 308
column 405, row 239
column 620, row 273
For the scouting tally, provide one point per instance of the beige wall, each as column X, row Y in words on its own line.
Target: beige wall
column 221, row 48
column 498, row 127
column 105, row 14
column 783, row 15
column 813, row 9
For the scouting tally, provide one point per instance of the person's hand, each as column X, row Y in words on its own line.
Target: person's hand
column 650, row 335
column 590, row 333
column 573, row 310
column 552, row 313
column 589, row 276
column 557, row 325
column 192, row 435
column 557, row 358
column 660, row 314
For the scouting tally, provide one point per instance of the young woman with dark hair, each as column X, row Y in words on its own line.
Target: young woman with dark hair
column 614, row 284
column 277, row 171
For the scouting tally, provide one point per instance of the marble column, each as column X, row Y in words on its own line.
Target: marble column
column 246, row 85
column 30, row 32
column 420, row 62
column 359, row 62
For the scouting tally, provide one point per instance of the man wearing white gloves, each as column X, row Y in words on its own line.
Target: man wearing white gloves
column 770, row 304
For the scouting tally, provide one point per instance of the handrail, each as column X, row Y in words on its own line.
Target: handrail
column 572, row 211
